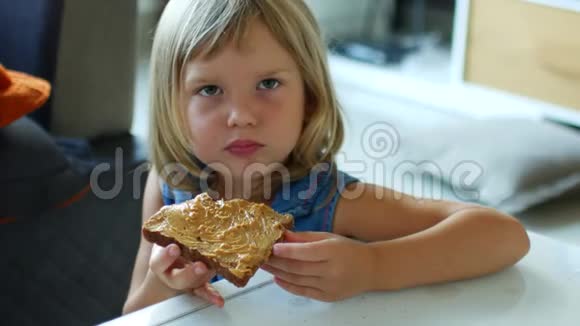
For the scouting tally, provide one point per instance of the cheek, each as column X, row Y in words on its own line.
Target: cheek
column 288, row 105
column 202, row 116
column 204, row 128
column 286, row 116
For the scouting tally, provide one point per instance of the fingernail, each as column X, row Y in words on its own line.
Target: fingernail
column 173, row 251
column 199, row 270
column 276, row 249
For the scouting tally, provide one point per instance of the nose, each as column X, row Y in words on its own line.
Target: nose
column 241, row 115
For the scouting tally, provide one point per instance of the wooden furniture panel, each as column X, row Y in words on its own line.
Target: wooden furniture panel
column 525, row 48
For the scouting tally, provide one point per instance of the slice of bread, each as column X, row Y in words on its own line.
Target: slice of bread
column 234, row 237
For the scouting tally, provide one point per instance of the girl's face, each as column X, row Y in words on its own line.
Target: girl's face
column 245, row 105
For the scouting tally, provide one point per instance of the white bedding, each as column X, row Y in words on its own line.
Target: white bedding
column 558, row 218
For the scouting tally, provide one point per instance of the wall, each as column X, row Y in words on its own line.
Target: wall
column 96, row 69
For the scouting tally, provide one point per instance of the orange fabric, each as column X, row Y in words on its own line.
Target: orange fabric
column 20, row 94
column 7, row 220
column 76, row 197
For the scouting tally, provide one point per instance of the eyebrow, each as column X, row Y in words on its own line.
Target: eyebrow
column 274, row 72
column 189, row 82
column 196, row 81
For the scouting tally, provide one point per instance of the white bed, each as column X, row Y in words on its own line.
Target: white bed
column 558, row 218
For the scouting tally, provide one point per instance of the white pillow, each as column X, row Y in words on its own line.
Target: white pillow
column 514, row 163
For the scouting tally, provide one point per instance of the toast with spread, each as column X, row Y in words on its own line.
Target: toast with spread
column 234, row 237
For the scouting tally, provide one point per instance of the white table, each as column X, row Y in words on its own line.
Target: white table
column 542, row 289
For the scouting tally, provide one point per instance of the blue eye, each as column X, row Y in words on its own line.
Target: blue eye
column 210, row 90
column 269, row 84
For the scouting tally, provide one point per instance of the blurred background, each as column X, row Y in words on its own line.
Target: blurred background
column 72, row 172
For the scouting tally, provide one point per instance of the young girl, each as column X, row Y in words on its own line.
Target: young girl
column 243, row 85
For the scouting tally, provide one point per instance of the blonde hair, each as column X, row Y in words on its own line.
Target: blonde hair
column 191, row 28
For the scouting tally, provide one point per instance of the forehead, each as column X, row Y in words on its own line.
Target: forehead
column 256, row 43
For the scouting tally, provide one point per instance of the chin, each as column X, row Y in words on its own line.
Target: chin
column 254, row 167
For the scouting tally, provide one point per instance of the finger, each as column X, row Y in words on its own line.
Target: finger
column 290, row 236
column 180, row 262
column 311, row 251
column 209, row 293
column 301, row 280
column 303, row 291
column 193, row 275
column 163, row 258
column 299, row 267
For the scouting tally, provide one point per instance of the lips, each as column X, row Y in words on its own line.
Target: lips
column 243, row 147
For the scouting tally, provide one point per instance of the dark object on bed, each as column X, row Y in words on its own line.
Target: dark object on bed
column 34, row 173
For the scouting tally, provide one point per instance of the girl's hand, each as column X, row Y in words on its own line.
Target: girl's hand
column 177, row 274
column 322, row 266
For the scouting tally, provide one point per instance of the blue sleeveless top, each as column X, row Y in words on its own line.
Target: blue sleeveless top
column 311, row 200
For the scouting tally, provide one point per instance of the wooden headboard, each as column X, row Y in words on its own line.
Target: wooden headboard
column 525, row 48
